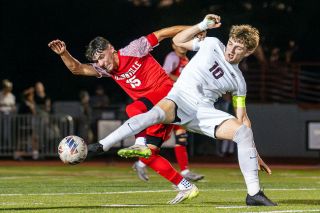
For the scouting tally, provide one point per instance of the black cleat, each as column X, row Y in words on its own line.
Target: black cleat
column 94, row 150
column 259, row 199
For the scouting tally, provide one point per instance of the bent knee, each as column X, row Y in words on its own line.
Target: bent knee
column 243, row 133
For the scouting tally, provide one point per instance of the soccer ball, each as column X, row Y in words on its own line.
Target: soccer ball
column 72, row 150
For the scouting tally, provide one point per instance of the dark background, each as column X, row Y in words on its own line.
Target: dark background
column 28, row 26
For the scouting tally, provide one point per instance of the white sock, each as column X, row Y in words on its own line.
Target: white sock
column 247, row 156
column 133, row 126
column 184, row 184
column 140, row 141
column 184, row 172
column 141, row 164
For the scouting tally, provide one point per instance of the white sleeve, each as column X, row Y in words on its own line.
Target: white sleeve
column 242, row 87
column 196, row 44
column 102, row 72
column 137, row 48
column 171, row 62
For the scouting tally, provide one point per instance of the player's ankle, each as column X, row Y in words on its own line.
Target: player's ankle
column 140, row 141
column 184, row 184
column 185, row 171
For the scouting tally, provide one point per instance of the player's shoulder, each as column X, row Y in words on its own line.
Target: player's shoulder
column 172, row 55
column 137, row 48
column 211, row 42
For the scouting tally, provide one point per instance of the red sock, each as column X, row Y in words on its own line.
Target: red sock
column 181, row 156
column 162, row 167
column 136, row 108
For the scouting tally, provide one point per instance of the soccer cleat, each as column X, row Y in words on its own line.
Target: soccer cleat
column 135, row 151
column 94, row 150
column 141, row 171
column 185, row 195
column 190, row 176
column 259, row 199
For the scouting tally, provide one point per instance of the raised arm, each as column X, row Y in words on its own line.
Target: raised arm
column 184, row 38
column 169, row 32
column 77, row 68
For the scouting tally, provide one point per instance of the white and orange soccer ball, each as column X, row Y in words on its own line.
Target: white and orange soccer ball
column 72, row 150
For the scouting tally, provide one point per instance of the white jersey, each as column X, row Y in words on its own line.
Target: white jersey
column 205, row 78
column 208, row 75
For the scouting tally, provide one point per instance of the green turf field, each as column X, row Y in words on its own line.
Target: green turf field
column 116, row 189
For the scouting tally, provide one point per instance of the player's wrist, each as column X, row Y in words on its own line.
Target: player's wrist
column 204, row 25
column 62, row 53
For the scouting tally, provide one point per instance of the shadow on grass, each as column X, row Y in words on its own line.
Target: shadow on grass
column 302, row 202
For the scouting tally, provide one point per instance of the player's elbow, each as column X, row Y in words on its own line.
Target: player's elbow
column 74, row 71
column 176, row 41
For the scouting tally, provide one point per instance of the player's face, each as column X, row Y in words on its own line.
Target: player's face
column 235, row 51
column 107, row 59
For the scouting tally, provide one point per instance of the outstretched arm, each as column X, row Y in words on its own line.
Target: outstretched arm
column 169, row 32
column 77, row 68
column 184, row 38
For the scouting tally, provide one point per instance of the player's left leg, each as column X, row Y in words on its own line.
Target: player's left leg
column 181, row 153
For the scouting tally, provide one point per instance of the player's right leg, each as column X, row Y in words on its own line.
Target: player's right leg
column 163, row 112
column 139, row 106
column 139, row 149
column 131, row 127
column 248, row 159
column 163, row 167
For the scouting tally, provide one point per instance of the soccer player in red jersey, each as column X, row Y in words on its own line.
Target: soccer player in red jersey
column 174, row 63
column 144, row 80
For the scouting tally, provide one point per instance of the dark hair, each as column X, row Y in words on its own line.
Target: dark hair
column 98, row 44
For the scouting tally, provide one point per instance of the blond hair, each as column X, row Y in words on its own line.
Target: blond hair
column 245, row 34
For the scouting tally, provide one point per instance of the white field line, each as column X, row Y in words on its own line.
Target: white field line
column 124, row 205
column 15, row 203
column 146, row 191
column 86, row 193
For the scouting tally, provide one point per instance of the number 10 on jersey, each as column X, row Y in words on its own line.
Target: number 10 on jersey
column 216, row 71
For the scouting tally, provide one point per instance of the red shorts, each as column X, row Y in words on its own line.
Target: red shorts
column 162, row 131
column 177, row 127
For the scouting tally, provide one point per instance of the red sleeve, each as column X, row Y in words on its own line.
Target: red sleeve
column 153, row 40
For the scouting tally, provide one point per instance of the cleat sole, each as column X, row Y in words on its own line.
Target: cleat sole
column 134, row 153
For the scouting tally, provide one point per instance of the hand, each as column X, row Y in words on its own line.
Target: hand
column 201, row 36
column 57, row 46
column 262, row 166
column 209, row 22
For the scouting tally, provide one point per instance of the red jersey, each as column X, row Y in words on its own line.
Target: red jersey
column 174, row 64
column 138, row 73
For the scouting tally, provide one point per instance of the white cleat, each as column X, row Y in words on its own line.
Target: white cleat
column 191, row 176
column 141, row 171
column 185, row 195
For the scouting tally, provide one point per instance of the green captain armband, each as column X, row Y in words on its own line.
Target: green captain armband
column 239, row 101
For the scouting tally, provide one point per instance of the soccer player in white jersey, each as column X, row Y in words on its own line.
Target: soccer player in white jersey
column 213, row 71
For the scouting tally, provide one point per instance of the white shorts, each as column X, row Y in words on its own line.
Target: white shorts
column 197, row 114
